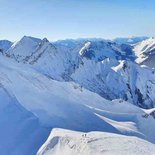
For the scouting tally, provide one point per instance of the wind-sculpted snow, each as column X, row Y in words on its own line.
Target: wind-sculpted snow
column 78, row 143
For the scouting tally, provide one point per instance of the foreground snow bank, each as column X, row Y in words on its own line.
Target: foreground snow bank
column 78, row 143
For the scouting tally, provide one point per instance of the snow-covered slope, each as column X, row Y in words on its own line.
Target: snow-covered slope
column 145, row 52
column 68, row 105
column 20, row 132
column 78, row 143
column 49, row 99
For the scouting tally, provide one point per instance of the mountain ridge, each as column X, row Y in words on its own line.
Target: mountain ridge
column 74, row 62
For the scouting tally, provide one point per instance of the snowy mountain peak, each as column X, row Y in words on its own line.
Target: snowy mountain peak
column 45, row 40
column 26, row 48
column 26, row 38
column 23, row 48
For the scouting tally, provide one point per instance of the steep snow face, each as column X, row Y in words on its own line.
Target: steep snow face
column 99, row 50
column 112, row 79
column 68, row 143
column 145, row 52
column 55, row 62
column 100, row 78
column 140, row 85
column 5, row 45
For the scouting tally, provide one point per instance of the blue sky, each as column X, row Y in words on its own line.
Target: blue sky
column 60, row 19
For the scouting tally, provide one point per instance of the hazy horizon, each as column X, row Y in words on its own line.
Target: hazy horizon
column 119, row 37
